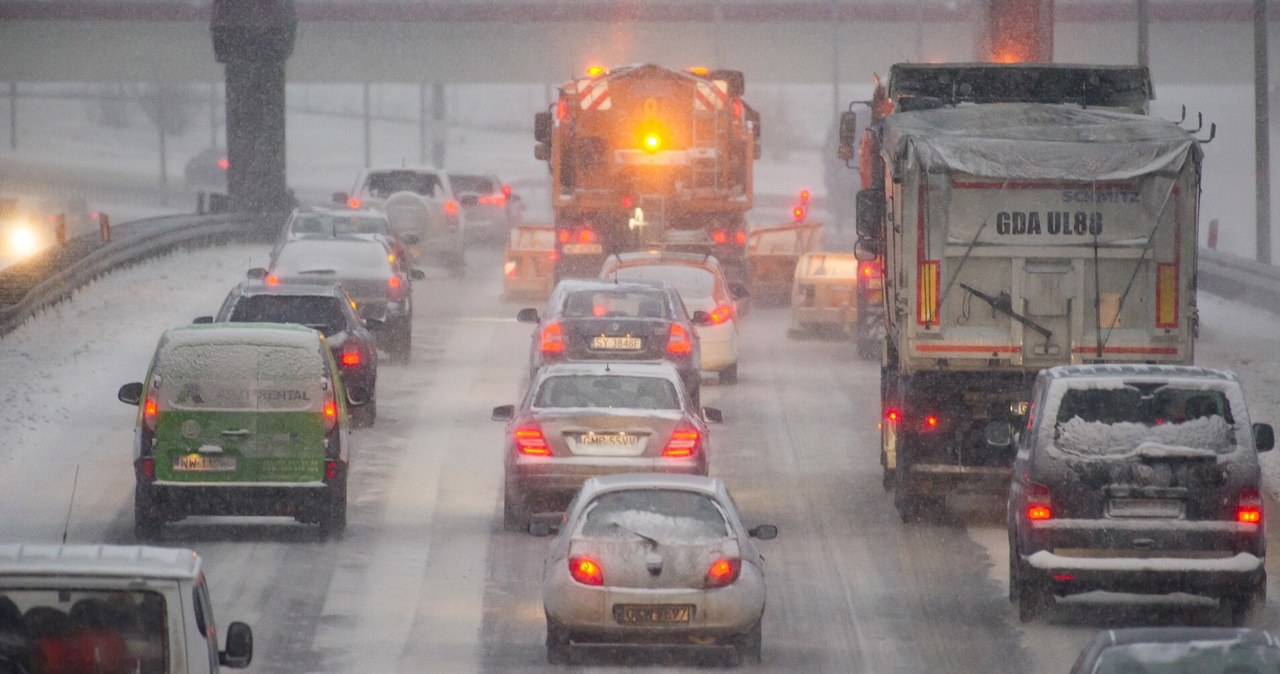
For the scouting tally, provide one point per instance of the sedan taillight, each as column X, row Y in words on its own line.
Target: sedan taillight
column 723, row 571
column 679, row 343
column 685, row 442
column 586, row 570
column 1249, row 506
column 530, row 441
column 552, row 339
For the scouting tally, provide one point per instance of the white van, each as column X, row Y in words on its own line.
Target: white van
column 71, row 609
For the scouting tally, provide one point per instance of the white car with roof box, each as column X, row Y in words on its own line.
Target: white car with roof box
column 98, row 609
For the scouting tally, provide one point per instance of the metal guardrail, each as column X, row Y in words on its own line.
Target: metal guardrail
column 55, row 274
column 1239, row 279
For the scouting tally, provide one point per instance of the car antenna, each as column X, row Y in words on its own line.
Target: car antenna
column 66, row 526
column 606, row 368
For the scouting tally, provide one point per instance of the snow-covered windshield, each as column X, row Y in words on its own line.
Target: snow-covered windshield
column 1199, row 656
column 664, row 514
column 1117, row 421
column 646, row 393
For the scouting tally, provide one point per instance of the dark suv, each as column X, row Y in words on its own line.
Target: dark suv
column 601, row 320
column 1137, row 478
column 328, row 309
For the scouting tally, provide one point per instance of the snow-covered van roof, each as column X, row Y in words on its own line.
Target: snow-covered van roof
column 264, row 334
column 98, row 560
column 1034, row 141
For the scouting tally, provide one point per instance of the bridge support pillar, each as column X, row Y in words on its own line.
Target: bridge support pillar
column 439, row 124
column 254, row 38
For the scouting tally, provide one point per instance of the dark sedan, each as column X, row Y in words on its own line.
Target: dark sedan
column 590, row 320
column 368, row 271
column 328, row 309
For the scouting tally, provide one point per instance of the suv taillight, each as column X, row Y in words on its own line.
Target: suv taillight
column 552, row 339
column 395, row 289
column 1038, row 503
column 685, row 442
column 679, row 343
column 723, row 572
column 1249, row 506
column 530, row 441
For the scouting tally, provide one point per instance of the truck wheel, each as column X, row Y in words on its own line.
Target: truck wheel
column 729, row 375
column 147, row 522
column 907, row 504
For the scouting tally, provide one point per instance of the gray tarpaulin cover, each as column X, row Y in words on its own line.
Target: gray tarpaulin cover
column 1032, row 141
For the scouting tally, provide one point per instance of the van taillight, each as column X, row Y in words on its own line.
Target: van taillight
column 147, row 467
column 679, row 343
column 330, row 469
column 395, row 289
column 1038, row 504
column 685, row 442
column 552, row 340
column 530, row 441
column 150, row 407
column 330, row 412
column 1249, row 506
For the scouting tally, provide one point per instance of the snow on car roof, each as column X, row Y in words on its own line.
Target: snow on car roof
column 252, row 289
column 662, row 369
column 266, row 334
column 622, row 481
column 98, row 560
column 1138, row 371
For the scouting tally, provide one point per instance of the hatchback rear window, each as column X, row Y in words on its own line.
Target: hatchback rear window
column 1117, row 421
column 610, row 304
column 241, row 376
column 667, row 515
column 648, row 393
column 691, row 282
column 319, row 313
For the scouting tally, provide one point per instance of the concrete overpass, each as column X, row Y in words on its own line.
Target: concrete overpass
column 818, row 41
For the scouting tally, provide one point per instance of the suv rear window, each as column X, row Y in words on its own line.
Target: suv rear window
column 1118, row 421
column 319, row 313
column 611, row 304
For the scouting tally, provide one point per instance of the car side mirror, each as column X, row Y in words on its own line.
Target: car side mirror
column 202, row 319
column 469, row 200
column 542, row 127
column 528, row 315
column 256, row 274
column 504, row 413
column 848, row 135
column 130, row 393
column 340, row 198
column 417, row 274
column 357, row 395
column 713, row 415
column 539, row 529
column 701, row 317
column 239, row 651
column 1264, row 437
column 764, row 532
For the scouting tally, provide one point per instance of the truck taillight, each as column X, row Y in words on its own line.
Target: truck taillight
column 1039, row 507
column 893, row 415
column 1166, row 295
column 740, row 237
column 679, row 343
column 552, row 339
column 506, row 191
column 562, row 109
column 272, row 280
column 530, row 441
column 720, row 237
column 685, row 442
column 586, row 235
column 1249, row 506
column 586, row 570
column 927, row 293
column 395, row 289
column 929, row 423
column 723, row 571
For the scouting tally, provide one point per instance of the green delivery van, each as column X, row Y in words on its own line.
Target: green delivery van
column 240, row 419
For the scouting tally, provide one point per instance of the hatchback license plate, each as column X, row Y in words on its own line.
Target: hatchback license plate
column 650, row 614
column 1145, row 507
column 607, row 343
column 205, row 464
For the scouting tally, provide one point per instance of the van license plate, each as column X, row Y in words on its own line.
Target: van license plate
column 605, row 343
column 648, row 614
column 205, row 464
column 1146, row 507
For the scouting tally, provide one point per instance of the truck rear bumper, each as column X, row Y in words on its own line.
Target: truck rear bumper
column 940, row 479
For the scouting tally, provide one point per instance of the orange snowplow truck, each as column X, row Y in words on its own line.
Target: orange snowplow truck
column 646, row 157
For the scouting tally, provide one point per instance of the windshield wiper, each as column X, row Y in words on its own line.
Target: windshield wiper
column 1004, row 304
column 652, row 541
column 318, row 271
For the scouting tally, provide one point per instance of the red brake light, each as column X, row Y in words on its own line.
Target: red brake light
column 529, row 441
column 353, row 203
column 330, row 469
column 506, row 191
column 930, row 423
column 721, row 314
column 330, row 412
column 723, row 572
column 451, row 207
column 563, row 236
column 685, row 442
column 720, row 237
column 869, row 269
column 586, row 235
column 804, row 196
column 148, row 468
column 1249, row 506
column 562, row 108
column 798, row 213
column 395, row 289
column 552, row 340
column 628, row 202
column 350, row 357
column 740, row 237
column 1038, row 503
column 586, row 570
column 679, row 342
column 149, row 409
column 224, row 163
column 273, row 280
column 893, row 415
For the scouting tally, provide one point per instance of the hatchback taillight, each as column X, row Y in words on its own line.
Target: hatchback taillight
column 721, row 314
column 685, row 442
column 723, row 572
column 530, row 441
column 395, row 289
column 552, row 339
column 586, row 570
column 1249, row 506
column 679, row 343
column 1038, row 503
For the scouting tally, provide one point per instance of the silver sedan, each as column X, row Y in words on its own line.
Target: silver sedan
column 654, row 559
